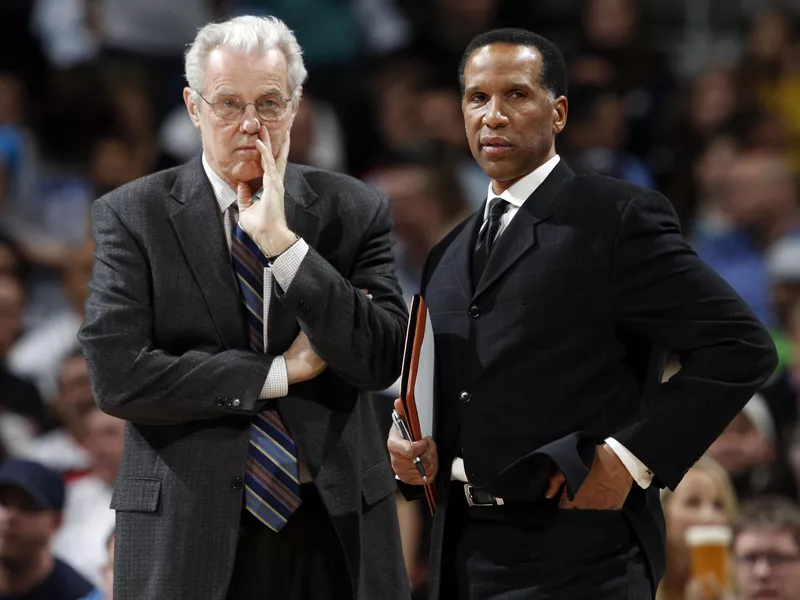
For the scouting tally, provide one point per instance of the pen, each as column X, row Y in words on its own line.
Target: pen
column 401, row 428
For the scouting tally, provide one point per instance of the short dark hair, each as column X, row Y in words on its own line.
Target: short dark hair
column 773, row 512
column 554, row 68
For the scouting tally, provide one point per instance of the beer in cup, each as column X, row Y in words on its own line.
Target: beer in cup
column 709, row 546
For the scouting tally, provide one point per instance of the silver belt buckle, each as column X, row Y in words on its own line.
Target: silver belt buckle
column 471, row 501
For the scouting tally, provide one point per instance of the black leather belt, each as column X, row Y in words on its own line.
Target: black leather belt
column 479, row 498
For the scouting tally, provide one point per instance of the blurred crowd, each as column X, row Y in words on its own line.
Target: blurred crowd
column 699, row 101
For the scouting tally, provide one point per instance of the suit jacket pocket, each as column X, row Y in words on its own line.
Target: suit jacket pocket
column 136, row 494
column 377, row 482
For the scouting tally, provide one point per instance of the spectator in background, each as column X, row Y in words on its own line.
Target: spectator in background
column 705, row 496
column 39, row 353
column 700, row 139
column 31, row 500
column 615, row 50
column 317, row 138
column 88, row 518
column 427, row 202
column 151, row 36
column 761, row 201
column 61, row 448
column 598, row 135
column 443, row 123
column 748, row 450
column 22, row 413
column 766, row 550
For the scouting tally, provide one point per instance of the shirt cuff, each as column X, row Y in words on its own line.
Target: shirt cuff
column 457, row 472
column 285, row 267
column 640, row 473
column 277, row 383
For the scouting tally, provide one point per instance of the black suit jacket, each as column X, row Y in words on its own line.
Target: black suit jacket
column 165, row 339
column 559, row 345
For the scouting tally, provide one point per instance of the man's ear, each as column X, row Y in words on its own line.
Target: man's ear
column 191, row 106
column 560, row 110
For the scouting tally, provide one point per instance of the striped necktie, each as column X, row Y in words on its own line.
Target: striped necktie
column 272, row 488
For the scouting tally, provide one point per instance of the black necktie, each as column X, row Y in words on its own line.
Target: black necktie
column 487, row 238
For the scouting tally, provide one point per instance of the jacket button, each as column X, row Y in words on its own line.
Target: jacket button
column 236, row 402
column 228, row 403
column 474, row 311
column 237, row 484
column 465, row 397
column 220, row 402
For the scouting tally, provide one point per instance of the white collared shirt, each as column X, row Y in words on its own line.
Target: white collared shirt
column 283, row 268
column 516, row 195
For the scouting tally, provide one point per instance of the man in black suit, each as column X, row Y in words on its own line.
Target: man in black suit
column 551, row 308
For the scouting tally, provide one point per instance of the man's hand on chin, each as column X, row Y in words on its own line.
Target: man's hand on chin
column 605, row 488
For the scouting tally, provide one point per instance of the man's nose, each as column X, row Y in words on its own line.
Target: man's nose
column 251, row 124
column 495, row 116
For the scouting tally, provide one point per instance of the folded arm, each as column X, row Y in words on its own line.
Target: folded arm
column 131, row 378
column 360, row 339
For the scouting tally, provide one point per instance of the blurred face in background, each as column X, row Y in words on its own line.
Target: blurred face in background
column 713, row 100
column 511, row 120
column 610, row 23
column 105, row 441
column 741, row 447
column 760, row 191
column 769, row 37
column 767, row 564
column 711, row 170
column 75, row 399
column 229, row 146
column 76, row 275
column 25, row 530
column 699, row 499
column 441, row 118
column 12, row 300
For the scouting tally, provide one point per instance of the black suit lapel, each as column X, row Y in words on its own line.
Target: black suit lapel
column 520, row 236
column 457, row 259
column 198, row 225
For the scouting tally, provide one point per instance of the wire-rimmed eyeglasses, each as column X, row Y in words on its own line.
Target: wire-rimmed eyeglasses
column 228, row 107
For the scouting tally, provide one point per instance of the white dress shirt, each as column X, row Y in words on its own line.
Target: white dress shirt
column 516, row 195
column 283, row 268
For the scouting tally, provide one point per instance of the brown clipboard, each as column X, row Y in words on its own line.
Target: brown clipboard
column 415, row 335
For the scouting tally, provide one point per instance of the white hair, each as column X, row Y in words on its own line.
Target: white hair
column 245, row 35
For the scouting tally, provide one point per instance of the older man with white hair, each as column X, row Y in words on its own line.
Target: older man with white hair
column 239, row 306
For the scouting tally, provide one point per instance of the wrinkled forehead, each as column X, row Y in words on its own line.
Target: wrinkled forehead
column 252, row 74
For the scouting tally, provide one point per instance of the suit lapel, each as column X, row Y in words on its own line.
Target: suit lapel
column 301, row 215
column 520, row 235
column 457, row 259
column 198, row 225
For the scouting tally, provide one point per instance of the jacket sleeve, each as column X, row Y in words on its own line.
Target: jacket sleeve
column 133, row 379
column 360, row 339
column 665, row 294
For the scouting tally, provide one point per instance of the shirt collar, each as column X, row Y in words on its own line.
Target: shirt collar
column 521, row 190
column 224, row 193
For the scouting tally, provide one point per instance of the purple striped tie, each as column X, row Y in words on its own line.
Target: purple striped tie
column 272, row 485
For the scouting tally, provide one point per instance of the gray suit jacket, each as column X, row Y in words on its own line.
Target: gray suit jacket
column 165, row 338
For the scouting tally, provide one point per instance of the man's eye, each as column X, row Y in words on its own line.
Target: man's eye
column 229, row 103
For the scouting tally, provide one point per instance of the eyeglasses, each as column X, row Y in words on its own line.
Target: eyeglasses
column 231, row 108
column 772, row 559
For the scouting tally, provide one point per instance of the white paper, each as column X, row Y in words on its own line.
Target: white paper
column 423, row 387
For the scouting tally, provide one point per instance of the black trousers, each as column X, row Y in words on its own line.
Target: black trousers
column 304, row 561
column 525, row 553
